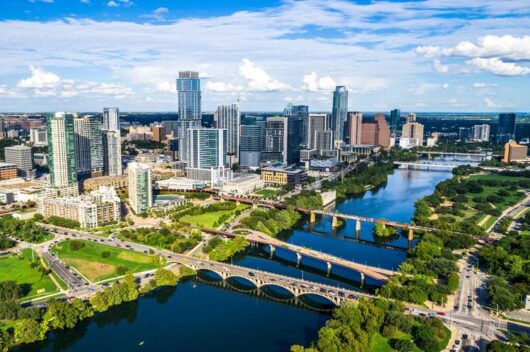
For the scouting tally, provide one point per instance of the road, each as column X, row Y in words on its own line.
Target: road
column 74, row 281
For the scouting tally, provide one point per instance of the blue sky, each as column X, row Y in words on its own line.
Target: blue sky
column 424, row 55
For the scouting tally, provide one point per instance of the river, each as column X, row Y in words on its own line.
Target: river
column 200, row 315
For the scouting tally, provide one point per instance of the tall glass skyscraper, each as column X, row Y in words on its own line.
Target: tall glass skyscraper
column 506, row 127
column 140, row 187
column 89, row 154
column 252, row 144
column 207, row 154
column 229, row 118
column 61, row 149
column 112, row 165
column 189, row 107
column 339, row 112
column 394, row 120
column 111, row 119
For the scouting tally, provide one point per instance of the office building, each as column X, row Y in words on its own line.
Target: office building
column 140, row 187
column 22, row 157
column 111, row 119
column 8, row 171
column 376, row 132
column 354, row 128
column 295, row 138
column 514, row 152
column 394, row 121
column 252, row 143
column 112, row 164
column 88, row 151
column 189, row 107
column 323, row 140
column 317, row 122
column 243, row 185
column 207, row 159
column 158, row 133
column 61, row 149
column 506, row 127
column 38, row 137
column 170, row 127
column 464, row 133
column 481, row 133
column 411, row 133
column 276, row 134
column 339, row 112
column 280, row 176
column 301, row 112
column 229, row 118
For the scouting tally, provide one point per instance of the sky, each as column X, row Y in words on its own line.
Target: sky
column 416, row 55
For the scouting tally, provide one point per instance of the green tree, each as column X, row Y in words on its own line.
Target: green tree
column 165, row 277
column 27, row 331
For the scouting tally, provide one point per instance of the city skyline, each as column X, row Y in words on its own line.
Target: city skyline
column 477, row 63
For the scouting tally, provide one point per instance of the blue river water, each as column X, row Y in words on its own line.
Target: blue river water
column 206, row 315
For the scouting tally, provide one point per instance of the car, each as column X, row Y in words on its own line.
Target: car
column 251, row 273
column 458, row 343
column 442, row 314
column 351, row 296
column 464, row 336
column 467, row 276
column 323, row 290
column 432, row 315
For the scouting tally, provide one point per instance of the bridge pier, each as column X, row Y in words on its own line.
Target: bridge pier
column 254, row 205
column 334, row 222
column 362, row 279
column 272, row 248
column 298, row 259
column 357, row 228
column 312, row 218
column 238, row 203
column 329, row 268
column 410, row 235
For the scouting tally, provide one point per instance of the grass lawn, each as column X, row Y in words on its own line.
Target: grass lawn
column 489, row 222
column 209, row 219
column 90, row 263
column 380, row 343
column 267, row 193
column 32, row 281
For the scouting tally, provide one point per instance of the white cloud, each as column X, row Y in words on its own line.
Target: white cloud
column 258, row 79
column 499, row 67
column 40, row 79
column 223, row 87
column 493, row 105
column 6, row 92
column 422, row 88
column 161, row 11
column 482, row 85
column 445, row 86
column 314, row 84
column 439, row 67
column 46, row 1
column 85, row 1
column 112, row 3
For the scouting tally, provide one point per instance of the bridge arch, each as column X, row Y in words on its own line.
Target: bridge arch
column 332, row 301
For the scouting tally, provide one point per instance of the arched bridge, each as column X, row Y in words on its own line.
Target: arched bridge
column 297, row 287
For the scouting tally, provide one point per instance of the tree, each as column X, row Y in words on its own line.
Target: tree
column 402, row 345
column 165, row 277
column 9, row 291
column 498, row 346
column 28, row 331
column 76, row 245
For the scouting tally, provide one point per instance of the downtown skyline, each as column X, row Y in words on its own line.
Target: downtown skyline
column 468, row 56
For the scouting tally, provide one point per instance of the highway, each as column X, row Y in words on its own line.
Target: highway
column 74, row 281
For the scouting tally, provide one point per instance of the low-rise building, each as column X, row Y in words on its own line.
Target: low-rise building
column 7, row 171
column 180, row 184
column 242, row 185
column 91, row 210
column 18, row 190
column 119, row 183
column 280, row 176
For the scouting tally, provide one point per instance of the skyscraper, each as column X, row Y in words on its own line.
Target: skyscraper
column 252, row 143
column 295, row 138
column 112, row 165
column 354, row 127
column 506, row 127
column 87, row 138
column 376, row 132
column 61, row 149
column 394, row 121
column 276, row 134
column 481, row 132
column 207, row 154
column 302, row 112
column 338, row 115
column 140, row 187
column 317, row 122
column 111, row 119
column 229, row 118
column 22, row 157
column 411, row 133
column 189, row 107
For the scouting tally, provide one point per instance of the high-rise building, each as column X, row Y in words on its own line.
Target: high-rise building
column 394, row 121
column 61, row 149
column 340, row 110
column 323, row 140
column 111, row 119
column 158, row 132
column 464, row 133
column 229, row 118
column 252, row 143
column 295, row 138
column 302, row 112
column 22, row 157
column 276, row 134
column 514, row 152
column 481, row 132
column 38, row 137
column 189, row 107
column 354, row 128
column 207, row 156
column 140, row 187
column 506, row 127
column 411, row 133
column 170, row 127
column 112, row 165
column 87, row 138
column 317, row 122
column 376, row 132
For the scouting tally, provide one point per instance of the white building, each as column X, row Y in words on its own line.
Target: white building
column 181, row 184
column 112, row 165
column 481, row 132
column 22, row 157
column 228, row 117
column 140, row 187
column 207, row 155
column 243, row 185
column 38, row 137
column 111, row 119
column 92, row 210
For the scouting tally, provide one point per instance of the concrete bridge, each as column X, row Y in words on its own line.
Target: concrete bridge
column 458, row 156
column 424, row 166
column 261, row 279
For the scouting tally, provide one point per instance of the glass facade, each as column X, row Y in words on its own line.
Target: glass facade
column 340, row 110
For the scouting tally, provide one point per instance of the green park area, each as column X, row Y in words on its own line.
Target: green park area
column 212, row 216
column 98, row 262
column 27, row 271
column 267, row 193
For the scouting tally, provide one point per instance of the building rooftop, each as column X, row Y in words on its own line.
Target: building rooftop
column 2, row 164
column 20, row 146
column 286, row 169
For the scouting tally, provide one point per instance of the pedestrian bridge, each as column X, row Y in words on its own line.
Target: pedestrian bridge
column 261, row 279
